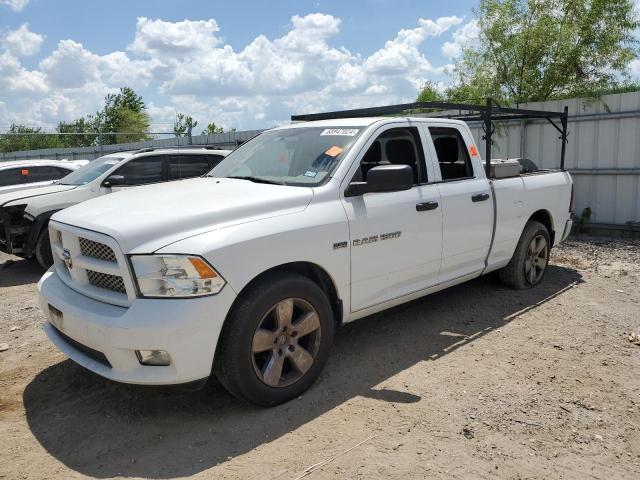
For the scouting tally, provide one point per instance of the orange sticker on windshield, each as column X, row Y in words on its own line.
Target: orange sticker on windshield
column 333, row 151
column 473, row 150
column 24, row 172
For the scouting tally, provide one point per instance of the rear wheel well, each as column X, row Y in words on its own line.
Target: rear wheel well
column 313, row 272
column 544, row 217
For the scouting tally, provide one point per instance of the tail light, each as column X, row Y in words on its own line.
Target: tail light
column 571, row 201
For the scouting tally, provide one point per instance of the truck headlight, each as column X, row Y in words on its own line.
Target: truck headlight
column 175, row 276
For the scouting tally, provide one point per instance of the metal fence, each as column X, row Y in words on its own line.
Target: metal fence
column 603, row 153
column 229, row 140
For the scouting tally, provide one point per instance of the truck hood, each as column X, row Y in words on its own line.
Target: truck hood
column 17, row 196
column 147, row 218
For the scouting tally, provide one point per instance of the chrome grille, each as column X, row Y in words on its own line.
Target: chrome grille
column 106, row 281
column 92, row 264
column 96, row 250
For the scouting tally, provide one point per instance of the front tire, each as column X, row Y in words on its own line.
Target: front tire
column 43, row 249
column 276, row 340
column 529, row 262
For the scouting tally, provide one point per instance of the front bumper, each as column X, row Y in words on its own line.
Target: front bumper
column 91, row 331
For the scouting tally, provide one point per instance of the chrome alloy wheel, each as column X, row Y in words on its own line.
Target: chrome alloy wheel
column 286, row 342
column 536, row 260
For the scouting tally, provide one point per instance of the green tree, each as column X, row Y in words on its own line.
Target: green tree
column 21, row 137
column 125, row 114
column 212, row 128
column 429, row 93
column 540, row 49
column 184, row 125
column 84, row 134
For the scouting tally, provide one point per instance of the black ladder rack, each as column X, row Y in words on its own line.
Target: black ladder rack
column 488, row 113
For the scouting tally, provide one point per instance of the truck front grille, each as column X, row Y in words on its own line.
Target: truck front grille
column 91, row 263
column 106, row 281
column 96, row 250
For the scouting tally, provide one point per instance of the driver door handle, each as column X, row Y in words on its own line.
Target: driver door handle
column 479, row 197
column 422, row 207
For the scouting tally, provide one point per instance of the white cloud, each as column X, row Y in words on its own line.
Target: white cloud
column 634, row 69
column 228, row 112
column 72, row 66
column 402, row 55
column 300, row 60
column 15, row 78
column 22, row 42
column 185, row 66
column 155, row 37
column 461, row 38
column 4, row 114
column 15, row 5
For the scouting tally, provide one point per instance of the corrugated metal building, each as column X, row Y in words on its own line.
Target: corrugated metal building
column 603, row 152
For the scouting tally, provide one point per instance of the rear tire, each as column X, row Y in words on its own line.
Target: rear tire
column 276, row 340
column 43, row 249
column 529, row 262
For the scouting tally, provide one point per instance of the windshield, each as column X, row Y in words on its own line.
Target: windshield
column 90, row 171
column 293, row 156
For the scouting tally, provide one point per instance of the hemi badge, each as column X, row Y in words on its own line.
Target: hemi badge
column 338, row 245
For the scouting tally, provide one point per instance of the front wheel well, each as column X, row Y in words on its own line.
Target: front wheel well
column 307, row 269
column 40, row 224
column 545, row 218
column 315, row 273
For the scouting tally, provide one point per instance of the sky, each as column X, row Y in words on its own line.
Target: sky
column 243, row 64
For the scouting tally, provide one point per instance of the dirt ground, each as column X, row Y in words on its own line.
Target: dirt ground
column 474, row 382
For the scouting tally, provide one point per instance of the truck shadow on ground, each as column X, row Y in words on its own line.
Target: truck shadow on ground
column 103, row 429
column 19, row 272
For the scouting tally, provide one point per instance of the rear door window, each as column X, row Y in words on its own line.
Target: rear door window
column 43, row 173
column 214, row 160
column 142, row 171
column 187, row 166
column 453, row 158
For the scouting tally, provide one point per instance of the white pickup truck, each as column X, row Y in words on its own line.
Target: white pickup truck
column 246, row 273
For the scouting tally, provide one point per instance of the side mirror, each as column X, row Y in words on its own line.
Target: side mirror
column 383, row 178
column 114, row 181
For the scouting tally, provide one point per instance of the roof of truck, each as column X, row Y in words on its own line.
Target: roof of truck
column 365, row 121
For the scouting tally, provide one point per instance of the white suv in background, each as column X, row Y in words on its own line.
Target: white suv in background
column 23, row 174
column 24, row 215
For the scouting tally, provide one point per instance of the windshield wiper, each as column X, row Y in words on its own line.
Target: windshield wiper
column 258, row 180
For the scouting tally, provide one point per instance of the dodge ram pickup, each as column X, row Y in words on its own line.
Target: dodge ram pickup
column 246, row 273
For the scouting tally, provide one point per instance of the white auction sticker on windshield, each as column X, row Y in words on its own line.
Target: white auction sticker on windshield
column 341, row 132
